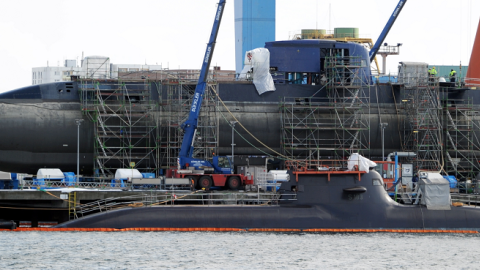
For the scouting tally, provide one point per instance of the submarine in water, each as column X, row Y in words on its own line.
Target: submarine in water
column 309, row 201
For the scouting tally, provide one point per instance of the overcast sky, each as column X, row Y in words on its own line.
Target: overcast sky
column 174, row 33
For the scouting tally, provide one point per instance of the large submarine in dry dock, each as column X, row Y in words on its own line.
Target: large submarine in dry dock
column 39, row 128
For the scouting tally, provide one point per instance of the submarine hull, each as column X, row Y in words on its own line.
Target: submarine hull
column 320, row 203
column 39, row 130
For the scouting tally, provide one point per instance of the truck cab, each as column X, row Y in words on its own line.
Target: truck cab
column 223, row 165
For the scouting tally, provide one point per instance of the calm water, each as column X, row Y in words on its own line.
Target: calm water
column 236, row 250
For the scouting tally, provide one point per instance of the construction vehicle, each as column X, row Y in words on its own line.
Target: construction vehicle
column 205, row 174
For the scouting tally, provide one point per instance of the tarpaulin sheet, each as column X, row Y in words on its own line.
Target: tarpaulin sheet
column 363, row 163
column 435, row 192
column 259, row 60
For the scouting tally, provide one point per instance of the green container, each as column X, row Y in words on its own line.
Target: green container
column 346, row 32
column 313, row 33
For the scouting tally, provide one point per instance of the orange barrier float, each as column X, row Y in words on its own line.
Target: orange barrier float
column 237, row 230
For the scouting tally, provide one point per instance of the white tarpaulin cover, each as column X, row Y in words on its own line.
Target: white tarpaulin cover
column 435, row 191
column 363, row 163
column 259, row 60
column 50, row 174
column 127, row 173
column 5, row 176
column 278, row 176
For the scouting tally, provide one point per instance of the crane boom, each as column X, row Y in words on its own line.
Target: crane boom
column 190, row 126
column 386, row 29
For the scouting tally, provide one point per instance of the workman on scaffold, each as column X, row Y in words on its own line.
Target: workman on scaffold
column 453, row 75
column 433, row 74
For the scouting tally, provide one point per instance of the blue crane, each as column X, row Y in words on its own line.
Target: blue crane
column 190, row 125
column 386, row 29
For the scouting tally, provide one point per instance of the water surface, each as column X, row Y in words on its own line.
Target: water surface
column 236, row 250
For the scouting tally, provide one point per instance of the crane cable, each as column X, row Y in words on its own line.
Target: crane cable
column 245, row 139
column 249, row 133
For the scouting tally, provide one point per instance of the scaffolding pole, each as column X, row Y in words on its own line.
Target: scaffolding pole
column 125, row 124
column 175, row 110
column 330, row 127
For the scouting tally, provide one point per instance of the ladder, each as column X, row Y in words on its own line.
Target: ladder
column 72, row 205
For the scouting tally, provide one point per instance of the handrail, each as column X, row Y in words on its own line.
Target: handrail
column 194, row 198
column 102, row 185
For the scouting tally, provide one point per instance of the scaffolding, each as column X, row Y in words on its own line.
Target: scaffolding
column 176, row 103
column 126, row 123
column 422, row 124
column 462, row 145
column 334, row 126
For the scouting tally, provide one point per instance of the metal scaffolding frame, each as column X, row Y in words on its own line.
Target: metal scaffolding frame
column 423, row 124
column 175, row 109
column 125, row 124
column 462, row 145
column 335, row 126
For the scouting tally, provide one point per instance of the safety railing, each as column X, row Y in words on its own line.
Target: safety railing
column 29, row 184
column 266, row 182
column 316, row 165
column 100, row 185
column 179, row 197
column 466, row 199
column 468, row 187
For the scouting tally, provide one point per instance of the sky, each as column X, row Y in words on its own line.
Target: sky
column 174, row 33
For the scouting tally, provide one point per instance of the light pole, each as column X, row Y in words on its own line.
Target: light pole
column 233, row 132
column 266, row 169
column 383, row 126
column 78, row 122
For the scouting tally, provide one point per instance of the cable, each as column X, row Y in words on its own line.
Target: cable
column 249, row 133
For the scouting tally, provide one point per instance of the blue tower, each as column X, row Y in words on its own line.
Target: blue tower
column 254, row 25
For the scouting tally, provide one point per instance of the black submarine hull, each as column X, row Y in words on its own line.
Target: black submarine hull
column 39, row 130
column 320, row 203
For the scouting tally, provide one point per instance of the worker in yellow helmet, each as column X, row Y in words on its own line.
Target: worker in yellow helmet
column 453, row 75
column 433, row 73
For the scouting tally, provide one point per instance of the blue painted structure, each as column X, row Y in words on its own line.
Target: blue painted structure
column 148, row 175
column 69, row 179
column 385, row 79
column 11, row 183
column 254, row 25
column 294, row 58
column 41, row 181
column 190, row 126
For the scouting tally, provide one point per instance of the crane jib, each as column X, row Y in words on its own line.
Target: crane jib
column 398, row 9
column 207, row 55
column 190, row 125
column 219, row 12
column 195, row 102
column 386, row 29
